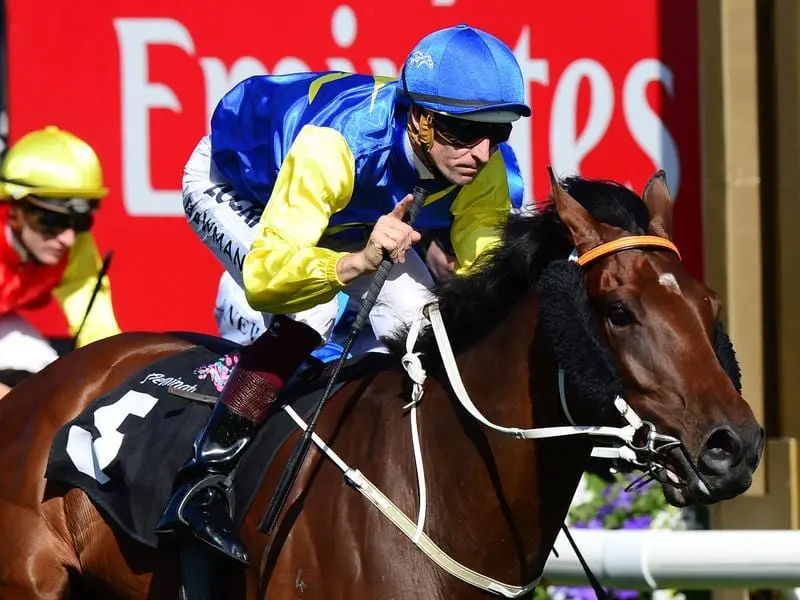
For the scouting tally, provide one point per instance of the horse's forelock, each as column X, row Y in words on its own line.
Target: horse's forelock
column 610, row 202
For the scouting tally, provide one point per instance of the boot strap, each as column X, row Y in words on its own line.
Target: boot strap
column 220, row 483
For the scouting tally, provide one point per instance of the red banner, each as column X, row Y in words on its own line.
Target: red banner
column 614, row 89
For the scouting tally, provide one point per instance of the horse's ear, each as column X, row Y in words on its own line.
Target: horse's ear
column 583, row 229
column 657, row 198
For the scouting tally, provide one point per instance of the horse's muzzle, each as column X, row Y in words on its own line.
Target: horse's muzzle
column 728, row 458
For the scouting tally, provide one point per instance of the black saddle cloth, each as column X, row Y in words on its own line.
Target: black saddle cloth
column 126, row 448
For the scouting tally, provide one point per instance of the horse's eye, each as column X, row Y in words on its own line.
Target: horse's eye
column 619, row 315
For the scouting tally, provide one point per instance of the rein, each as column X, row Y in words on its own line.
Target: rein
column 641, row 443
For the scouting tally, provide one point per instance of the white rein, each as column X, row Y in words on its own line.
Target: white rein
column 627, row 451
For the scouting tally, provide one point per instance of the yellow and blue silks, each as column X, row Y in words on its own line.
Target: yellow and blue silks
column 326, row 151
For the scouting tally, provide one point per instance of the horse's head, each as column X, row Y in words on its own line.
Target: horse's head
column 661, row 332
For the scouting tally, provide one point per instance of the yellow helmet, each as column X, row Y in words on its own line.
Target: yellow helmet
column 51, row 163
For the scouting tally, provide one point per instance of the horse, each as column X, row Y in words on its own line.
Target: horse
column 634, row 334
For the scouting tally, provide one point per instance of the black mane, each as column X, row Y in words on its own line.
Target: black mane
column 474, row 304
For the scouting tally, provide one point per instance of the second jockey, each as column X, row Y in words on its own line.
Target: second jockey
column 300, row 190
column 51, row 184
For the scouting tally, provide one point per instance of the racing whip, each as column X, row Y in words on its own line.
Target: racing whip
column 298, row 456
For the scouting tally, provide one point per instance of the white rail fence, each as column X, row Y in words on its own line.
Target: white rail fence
column 663, row 559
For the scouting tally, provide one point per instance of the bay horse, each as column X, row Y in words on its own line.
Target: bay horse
column 633, row 323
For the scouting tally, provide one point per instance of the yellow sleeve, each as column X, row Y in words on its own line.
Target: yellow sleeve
column 480, row 210
column 285, row 271
column 75, row 291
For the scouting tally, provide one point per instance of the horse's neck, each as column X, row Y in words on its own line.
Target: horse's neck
column 498, row 502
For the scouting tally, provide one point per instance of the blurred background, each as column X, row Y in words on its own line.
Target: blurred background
column 706, row 89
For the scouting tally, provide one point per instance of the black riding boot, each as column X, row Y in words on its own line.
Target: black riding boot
column 203, row 500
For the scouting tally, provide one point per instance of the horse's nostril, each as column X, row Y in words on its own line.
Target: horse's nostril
column 722, row 449
column 723, row 441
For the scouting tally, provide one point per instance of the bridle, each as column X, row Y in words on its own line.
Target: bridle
column 625, row 243
column 638, row 442
column 646, row 448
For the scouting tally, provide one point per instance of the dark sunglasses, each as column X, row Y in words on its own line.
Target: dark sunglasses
column 50, row 223
column 466, row 134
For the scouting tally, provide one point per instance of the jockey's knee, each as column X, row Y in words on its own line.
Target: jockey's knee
column 387, row 321
column 389, row 317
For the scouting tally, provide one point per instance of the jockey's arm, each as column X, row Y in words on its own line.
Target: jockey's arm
column 479, row 211
column 285, row 271
column 75, row 290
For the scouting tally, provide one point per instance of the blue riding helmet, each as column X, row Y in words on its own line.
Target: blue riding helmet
column 467, row 73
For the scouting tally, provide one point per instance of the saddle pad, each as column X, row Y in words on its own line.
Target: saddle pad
column 124, row 451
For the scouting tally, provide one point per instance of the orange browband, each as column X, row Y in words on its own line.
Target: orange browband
column 626, row 243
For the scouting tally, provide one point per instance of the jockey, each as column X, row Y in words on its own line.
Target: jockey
column 51, row 183
column 300, row 190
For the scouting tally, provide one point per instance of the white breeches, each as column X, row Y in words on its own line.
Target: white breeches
column 227, row 226
column 22, row 348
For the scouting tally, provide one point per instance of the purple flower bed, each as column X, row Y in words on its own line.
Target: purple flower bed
column 604, row 505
